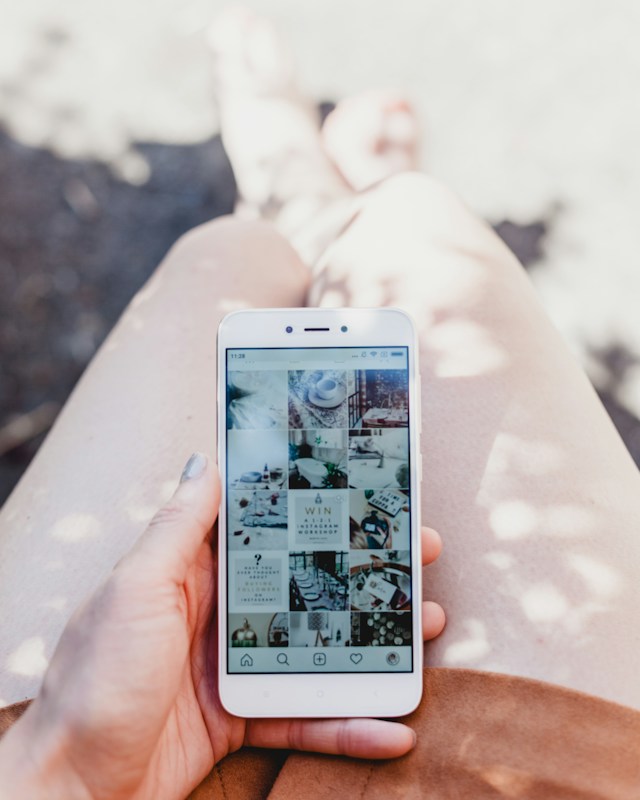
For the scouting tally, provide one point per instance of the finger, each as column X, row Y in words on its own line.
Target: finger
column 171, row 542
column 433, row 620
column 431, row 545
column 359, row 738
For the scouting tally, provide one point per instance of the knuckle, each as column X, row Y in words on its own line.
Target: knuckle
column 176, row 515
column 296, row 735
column 167, row 515
column 343, row 738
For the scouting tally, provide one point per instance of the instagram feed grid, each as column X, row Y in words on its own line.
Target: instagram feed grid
column 318, row 503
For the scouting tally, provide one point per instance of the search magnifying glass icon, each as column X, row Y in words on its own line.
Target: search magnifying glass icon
column 281, row 658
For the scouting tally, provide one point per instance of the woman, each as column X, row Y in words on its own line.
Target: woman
column 524, row 474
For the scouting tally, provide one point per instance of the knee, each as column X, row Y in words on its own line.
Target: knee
column 247, row 259
column 244, row 245
column 220, row 235
column 418, row 190
column 418, row 203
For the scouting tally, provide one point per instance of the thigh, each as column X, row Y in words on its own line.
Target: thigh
column 535, row 495
column 145, row 403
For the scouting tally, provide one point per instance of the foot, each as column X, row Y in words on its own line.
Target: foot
column 270, row 132
column 371, row 137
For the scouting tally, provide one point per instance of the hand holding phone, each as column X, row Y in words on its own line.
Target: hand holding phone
column 149, row 626
column 318, row 436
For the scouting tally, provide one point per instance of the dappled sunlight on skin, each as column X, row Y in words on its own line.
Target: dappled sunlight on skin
column 544, row 603
column 336, row 286
column 378, row 285
column 463, row 348
column 141, row 502
column 11, row 516
column 578, row 623
column 568, row 521
column 149, row 290
column 29, row 658
column 509, row 782
column 136, row 323
column 75, row 527
column 228, row 304
column 140, row 513
column 116, row 452
column 528, row 457
column 110, row 345
column 578, row 590
column 333, row 299
column 601, row 579
column 471, row 649
column 499, row 560
column 167, row 489
column 511, row 442
column 55, row 603
column 512, row 520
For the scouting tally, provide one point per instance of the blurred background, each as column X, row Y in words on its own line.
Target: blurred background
column 109, row 151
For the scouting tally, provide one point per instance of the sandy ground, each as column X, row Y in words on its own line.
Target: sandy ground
column 531, row 112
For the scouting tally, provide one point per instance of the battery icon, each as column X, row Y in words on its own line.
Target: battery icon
column 397, row 353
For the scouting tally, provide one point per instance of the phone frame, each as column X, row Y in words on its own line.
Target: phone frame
column 323, row 694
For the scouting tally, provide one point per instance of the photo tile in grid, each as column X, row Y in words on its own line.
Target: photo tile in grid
column 381, row 629
column 319, row 580
column 379, row 519
column 378, row 458
column 257, row 400
column 258, row 582
column 379, row 399
column 257, row 460
column 258, row 519
column 320, row 629
column 249, row 630
column 380, row 580
column 318, row 519
column 317, row 399
column 318, row 458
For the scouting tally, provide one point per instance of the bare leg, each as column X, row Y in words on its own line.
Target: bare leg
column 534, row 493
column 146, row 402
column 536, row 497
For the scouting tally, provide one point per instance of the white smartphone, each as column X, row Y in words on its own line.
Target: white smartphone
column 319, row 545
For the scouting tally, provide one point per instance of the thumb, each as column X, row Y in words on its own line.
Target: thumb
column 174, row 536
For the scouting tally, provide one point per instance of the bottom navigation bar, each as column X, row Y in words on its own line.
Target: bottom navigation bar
column 319, row 659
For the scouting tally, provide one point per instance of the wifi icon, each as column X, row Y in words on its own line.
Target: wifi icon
column 373, row 353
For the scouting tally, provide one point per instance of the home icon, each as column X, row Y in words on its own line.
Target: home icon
column 246, row 661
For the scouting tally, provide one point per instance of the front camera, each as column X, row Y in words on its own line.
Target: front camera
column 289, row 329
column 344, row 329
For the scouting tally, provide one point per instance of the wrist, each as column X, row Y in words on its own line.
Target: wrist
column 33, row 761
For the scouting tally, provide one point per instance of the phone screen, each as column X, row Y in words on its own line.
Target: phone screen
column 319, row 558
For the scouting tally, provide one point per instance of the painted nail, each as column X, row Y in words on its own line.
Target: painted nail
column 194, row 467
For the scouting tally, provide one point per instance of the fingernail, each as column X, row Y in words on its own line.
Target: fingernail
column 194, row 467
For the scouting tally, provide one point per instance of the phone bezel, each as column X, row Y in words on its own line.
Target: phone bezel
column 324, row 694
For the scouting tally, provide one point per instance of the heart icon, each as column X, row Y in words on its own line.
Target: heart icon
column 356, row 657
